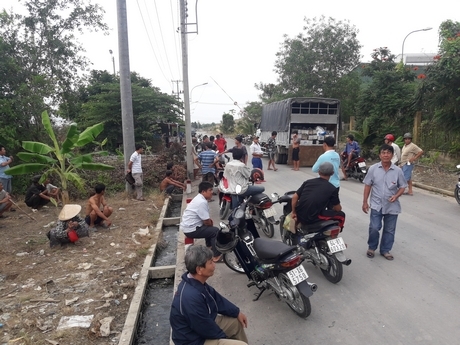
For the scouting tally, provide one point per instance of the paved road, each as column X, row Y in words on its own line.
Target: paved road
column 414, row 299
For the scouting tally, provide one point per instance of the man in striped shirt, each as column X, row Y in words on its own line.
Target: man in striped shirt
column 207, row 159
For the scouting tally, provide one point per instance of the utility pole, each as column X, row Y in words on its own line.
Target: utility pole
column 177, row 88
column 125, row 85
column 188, row 125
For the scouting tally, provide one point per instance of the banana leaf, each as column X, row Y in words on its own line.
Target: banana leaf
column 75, row 179
column 49, row 128
column 29, row 157
column 79, row 160
column 36, row 147
column 26, row 168
column 89, row 134
column 96, row 166
column 71, row 139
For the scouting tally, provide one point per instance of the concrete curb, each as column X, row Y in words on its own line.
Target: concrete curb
column 433, row 189
column 129, row 329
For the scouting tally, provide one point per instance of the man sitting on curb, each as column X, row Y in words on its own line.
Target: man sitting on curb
column 94, row 214
column 199, row 314
column 196, row 221
column 5, row 201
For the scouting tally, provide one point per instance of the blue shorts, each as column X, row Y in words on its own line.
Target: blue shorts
column 407, row 171
column 257, row 163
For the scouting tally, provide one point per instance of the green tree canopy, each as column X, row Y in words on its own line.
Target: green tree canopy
column 312, row 63
column 100, row 102
column 228, row 123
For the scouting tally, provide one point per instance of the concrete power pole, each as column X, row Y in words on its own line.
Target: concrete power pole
column 188, row 125
column 125, row 84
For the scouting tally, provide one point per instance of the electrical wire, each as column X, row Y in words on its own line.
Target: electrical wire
column 162, row 38
column 178, row 56
column 234, row 102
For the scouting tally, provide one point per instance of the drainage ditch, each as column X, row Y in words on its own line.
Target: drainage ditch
column 153, row 325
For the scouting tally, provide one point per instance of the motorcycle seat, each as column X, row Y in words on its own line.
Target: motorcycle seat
column 259, row 198
column 316, row 227
column 270, row 250
column 287, row 197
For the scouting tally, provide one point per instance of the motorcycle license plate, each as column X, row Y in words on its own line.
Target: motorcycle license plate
column 297, row 275
column 270, row 212
column 362, row 164
column 336, row 245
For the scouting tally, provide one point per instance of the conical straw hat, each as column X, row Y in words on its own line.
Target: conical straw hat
column 69, row 211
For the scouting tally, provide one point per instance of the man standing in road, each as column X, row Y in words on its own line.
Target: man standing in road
column 239, row 145
column 207, row 160
column 199, row 314
column 410, row 153
column 135, row 167
column 256, row 153
column 4, row 165
column 387, row 183
column 332, row 157
column 295, row 150
column 271, row 150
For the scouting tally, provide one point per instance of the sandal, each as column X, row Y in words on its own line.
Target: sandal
column 370, row 253
column 276, row 169
column 388, row 256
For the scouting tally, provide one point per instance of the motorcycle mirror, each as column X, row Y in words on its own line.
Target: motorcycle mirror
column 275, row 196
column 238, row 189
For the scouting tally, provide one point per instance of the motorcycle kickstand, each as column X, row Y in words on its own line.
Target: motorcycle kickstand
column 262, row 290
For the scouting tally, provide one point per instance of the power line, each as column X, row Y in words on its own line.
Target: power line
column 162, row 38
column 174, row 35
column 234, row 102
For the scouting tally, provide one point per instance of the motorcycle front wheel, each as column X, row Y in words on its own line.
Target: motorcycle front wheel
column 232, row 262
column 457, row 194
column 295, row 300
column 334, row 270
column 265, row 226
column 224, row 209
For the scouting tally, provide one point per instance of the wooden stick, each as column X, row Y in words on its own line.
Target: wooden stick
column 23, row 210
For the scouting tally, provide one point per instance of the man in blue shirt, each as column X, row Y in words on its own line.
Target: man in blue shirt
column 207, row 159
column 387, row 183
column 4, row 165
column 352, row 150
column 332, row 157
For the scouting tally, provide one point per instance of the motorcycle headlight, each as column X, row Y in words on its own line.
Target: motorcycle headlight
column 239, row 213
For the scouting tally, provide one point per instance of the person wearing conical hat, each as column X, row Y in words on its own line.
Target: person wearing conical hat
column 70, row 226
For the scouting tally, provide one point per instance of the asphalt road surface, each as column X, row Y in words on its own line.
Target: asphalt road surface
column 414, row 299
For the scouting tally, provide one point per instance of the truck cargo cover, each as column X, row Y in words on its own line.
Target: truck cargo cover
column 276, row 116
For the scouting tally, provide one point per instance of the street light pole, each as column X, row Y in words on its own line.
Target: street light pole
column 194, row 88
column 113, row 60
column 404, row 41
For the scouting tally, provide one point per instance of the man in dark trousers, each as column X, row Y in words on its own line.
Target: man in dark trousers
column 199, row 314
column 317, row 199
column 37, row 195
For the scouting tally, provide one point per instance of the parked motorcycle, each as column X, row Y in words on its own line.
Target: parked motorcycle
column 259, row 207
column 357, row 168
column 457, row 187
column 324, row 248
column 269, row 265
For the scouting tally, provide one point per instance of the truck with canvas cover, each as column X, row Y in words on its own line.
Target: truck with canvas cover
column 312, row 117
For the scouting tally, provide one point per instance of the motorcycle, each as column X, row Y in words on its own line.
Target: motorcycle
column 324, row 248
column 268, row 264
column 357, row 168
column 260, row 208
column 457, row 187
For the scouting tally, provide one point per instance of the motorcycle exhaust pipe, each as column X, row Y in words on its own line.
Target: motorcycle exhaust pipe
column 347, row 262
column 313, row 286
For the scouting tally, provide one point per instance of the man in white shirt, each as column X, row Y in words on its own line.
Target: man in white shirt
column 196, row 221
column 256, row 153
column 135, row 168
column 389, row 140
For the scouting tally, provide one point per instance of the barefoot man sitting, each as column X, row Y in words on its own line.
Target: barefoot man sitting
column 95, row 214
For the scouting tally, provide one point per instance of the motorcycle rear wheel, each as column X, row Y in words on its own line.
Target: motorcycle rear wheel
column 334, row 270
column 289, row 238
column 232, row 262
column 265, row 226
column 224, row 209
column 457, row 194
column 282, row 231
column 296, row 301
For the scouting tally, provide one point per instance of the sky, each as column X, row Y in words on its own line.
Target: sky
column 237, row 41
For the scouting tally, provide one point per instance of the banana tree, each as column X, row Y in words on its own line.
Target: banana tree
column 61, row 159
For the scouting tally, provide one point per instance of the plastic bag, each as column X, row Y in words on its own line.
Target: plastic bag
column 289, row 224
